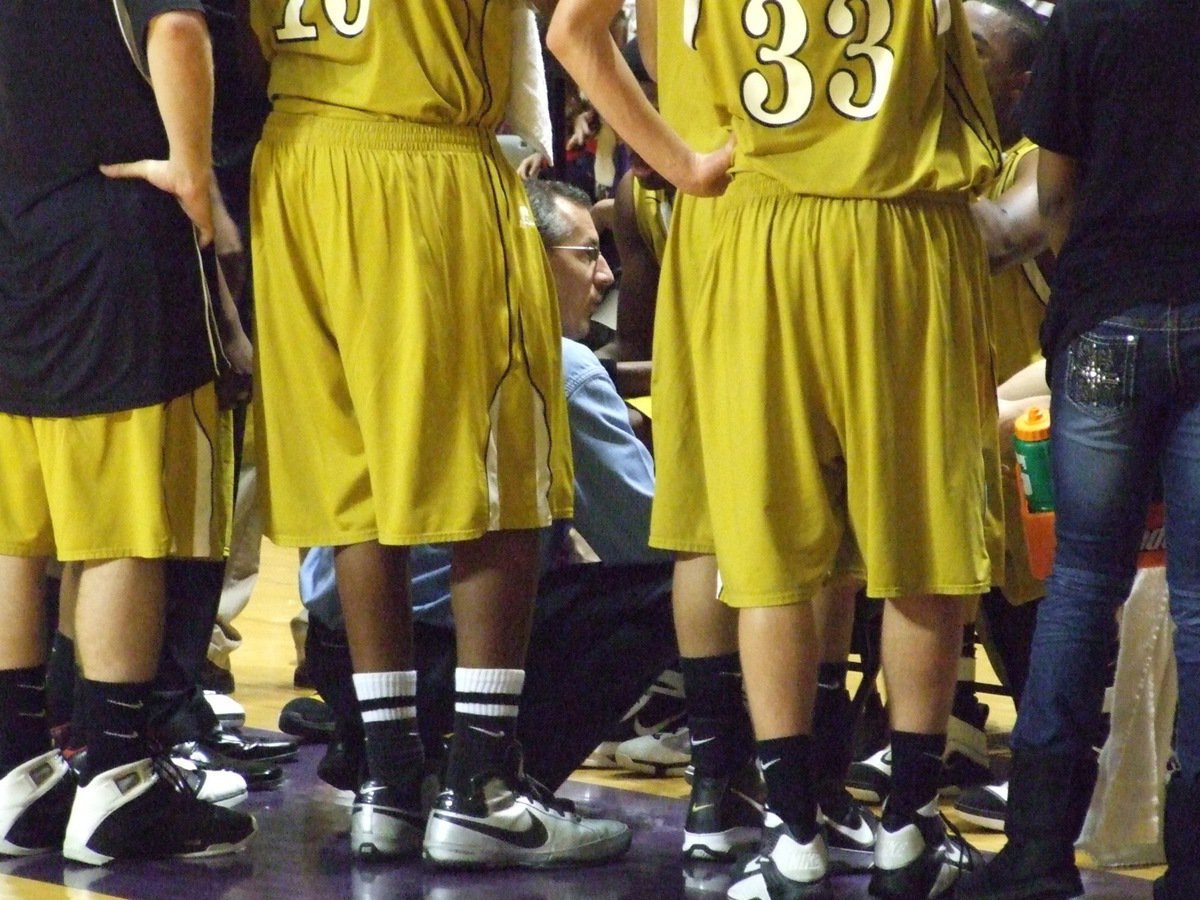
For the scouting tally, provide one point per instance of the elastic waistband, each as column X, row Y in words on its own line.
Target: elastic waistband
column 748, row 186
column 375, row 133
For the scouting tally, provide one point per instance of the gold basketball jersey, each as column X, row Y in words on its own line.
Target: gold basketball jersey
column 426, row 61
column 683, row 98
column 874, row 99
column 1019, row 293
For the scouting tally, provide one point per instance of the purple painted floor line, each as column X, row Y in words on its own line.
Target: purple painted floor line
column 301, row 852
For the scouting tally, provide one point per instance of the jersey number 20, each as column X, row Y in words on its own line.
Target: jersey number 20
column 294, row 28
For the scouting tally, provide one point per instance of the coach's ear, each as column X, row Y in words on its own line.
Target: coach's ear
column 134, row 41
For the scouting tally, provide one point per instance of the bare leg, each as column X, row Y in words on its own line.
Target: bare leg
column 68, row 599
column 492, row 585
column 373, row 585
column 921, row 641
column 833, row 617
column 779, row 663
column 119, row 617
column 23, row 637
column 704, row 626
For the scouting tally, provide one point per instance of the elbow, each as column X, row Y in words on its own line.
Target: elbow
column 178, row 26
column 558, row 35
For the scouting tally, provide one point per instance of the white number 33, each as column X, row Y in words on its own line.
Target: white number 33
column 851, row 96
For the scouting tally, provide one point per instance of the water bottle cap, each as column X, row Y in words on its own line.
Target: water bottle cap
column 1033, row 424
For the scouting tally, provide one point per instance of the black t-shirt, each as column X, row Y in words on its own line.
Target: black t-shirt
column 104, row 300
column 1115, row 87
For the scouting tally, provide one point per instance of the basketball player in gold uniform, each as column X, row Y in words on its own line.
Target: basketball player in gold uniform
column 862, row 131
column 410, row 391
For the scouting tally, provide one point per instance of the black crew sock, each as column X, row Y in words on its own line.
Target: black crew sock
column 114, row 722
column 833, row 733
column 485, row 724
column 916, row 770
column 60, row 681
column 24, row 733
column 387, row 703
column 787, row 769
column 722, row 741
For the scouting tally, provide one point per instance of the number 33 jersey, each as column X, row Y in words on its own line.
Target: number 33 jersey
column 849, row 98
column 421, row 60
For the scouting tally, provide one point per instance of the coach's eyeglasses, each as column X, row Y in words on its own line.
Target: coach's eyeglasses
column 591, row 251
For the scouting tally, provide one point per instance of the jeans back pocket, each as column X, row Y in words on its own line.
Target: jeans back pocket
column 1100, row 373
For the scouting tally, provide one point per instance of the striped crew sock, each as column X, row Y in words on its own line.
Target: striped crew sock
column 485, row 723
column 387, row 702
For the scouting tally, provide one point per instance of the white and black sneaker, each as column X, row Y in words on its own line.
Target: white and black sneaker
column 222, row 787
column 146, row 810
column 985, row 806
column 664, row 754
column 919, row 859
column 510, row 820
column 386, row 822
column 870, row 779
column 35, row 802
column 783, row 868
column 850, row 836
column 725, row 815
column 228, row 711
column 659, row 710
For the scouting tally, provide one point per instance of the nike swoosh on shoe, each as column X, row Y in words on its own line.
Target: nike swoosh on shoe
column 751, row 801
column 531, row 837
column 862, row 833
column 655, row 728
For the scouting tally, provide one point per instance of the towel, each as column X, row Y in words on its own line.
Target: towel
column 528, row 113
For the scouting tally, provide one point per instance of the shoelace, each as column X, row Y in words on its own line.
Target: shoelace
column 531, row 787
column 966, row 860
column 543, row 796
column 166, row 769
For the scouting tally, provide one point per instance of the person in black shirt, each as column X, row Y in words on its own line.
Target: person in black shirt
column 109, row 422
column 1112, row 105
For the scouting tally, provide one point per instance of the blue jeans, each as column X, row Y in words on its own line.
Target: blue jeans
column 1125, row 407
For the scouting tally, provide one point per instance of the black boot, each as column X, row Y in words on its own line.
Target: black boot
column 1180, row 828
column 1048, row 799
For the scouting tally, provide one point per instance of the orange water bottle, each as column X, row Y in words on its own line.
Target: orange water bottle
column 1031, row 441
column 1035, row 484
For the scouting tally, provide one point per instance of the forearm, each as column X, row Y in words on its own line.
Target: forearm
column 579, row 37
column 633, row 378
column 647, row 22
column 1012, row 226
column 1012, row 229
column 1029, row 382
column 1057, row 177
column 179, row 55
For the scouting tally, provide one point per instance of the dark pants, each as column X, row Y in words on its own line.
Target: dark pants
column 601, row 635
column 1126, row 404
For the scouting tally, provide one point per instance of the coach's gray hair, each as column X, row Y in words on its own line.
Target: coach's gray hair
column 552, row 225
